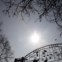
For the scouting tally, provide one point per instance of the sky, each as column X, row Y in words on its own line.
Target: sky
column 19, row 31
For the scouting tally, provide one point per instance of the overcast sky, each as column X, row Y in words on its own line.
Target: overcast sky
column 18, row 33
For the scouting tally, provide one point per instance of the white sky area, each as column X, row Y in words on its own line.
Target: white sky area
column 18, row 33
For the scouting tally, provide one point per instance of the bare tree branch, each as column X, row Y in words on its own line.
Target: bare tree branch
column 41, row 7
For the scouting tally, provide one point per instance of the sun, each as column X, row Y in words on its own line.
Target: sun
column 35, row 37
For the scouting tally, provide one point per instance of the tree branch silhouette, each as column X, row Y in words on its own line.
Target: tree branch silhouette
column 50, row 9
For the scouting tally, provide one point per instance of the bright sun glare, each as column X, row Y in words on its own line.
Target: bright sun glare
column 35, row 37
